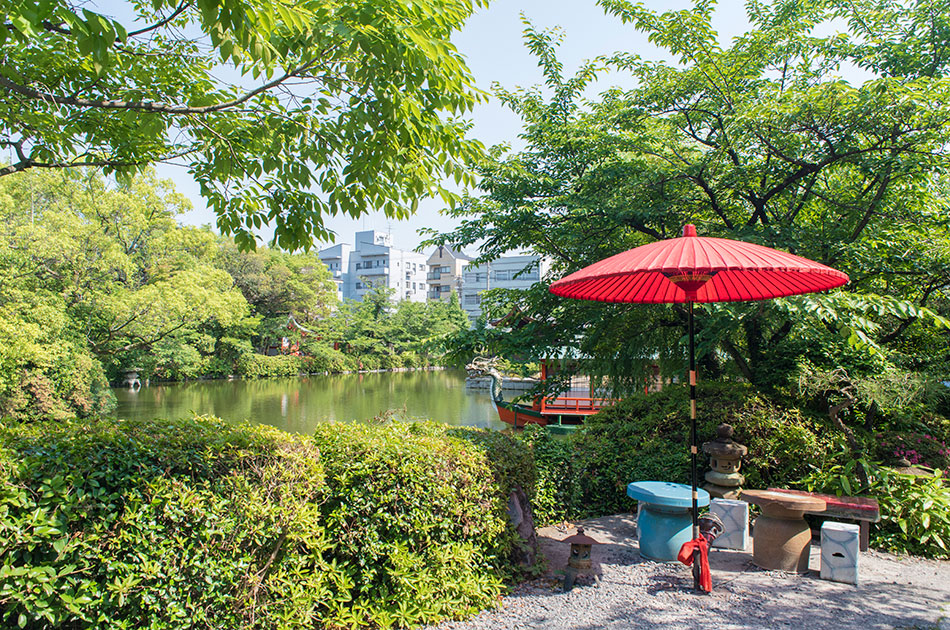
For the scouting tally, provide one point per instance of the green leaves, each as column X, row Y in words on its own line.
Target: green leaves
column 388, row 82
column 915, row 510
column 758, row 139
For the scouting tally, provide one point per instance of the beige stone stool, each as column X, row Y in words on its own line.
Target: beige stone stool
column 780, row 537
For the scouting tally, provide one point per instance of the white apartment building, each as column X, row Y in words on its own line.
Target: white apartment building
column 507, row 272
column 372, row 260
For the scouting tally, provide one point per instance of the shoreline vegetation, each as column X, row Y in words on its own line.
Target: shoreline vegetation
column 99, row 280
column 237, row 377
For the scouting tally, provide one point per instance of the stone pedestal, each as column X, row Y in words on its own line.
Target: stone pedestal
column 735, row 523
column 839, row 552
column 781, row 536
column 725, row 458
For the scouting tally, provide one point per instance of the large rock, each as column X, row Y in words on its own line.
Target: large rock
column 522, row 520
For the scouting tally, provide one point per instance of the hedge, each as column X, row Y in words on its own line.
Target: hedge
column 419, row 512
column 203, row 524
column 264, row 366
column 160, row 525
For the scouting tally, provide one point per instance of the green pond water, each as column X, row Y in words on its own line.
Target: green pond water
column 299, row 404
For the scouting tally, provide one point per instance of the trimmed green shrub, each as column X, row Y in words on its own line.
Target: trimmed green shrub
column 322, row 358
column 263, row 366
column 784, row 443
column 202, row 524
column 161, row 524
column 416, row 517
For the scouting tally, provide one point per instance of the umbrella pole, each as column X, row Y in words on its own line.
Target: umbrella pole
column 693, row 448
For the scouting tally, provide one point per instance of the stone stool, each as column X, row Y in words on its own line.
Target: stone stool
column 735, row 521
column 839, row 552
column 665, row 521
column 781, row 536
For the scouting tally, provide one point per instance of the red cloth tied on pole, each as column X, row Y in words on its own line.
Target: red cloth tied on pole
column 686, row 557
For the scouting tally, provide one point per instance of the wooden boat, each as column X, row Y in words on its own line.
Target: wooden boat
column 561, row 414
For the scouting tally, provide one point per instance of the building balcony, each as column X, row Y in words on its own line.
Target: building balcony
column 372, row 271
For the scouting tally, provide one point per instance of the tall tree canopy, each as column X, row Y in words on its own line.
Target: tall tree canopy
column 760, row 141
column 284, row 112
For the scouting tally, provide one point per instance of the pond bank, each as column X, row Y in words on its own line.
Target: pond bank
column 629, row 592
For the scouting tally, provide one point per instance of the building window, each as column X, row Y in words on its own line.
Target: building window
column 473, row 300
column 444, row 288
column 476, row 277
column 359, row 285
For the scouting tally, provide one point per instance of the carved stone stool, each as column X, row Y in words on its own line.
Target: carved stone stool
column 781, row 536
column 735, row 522
column 839, row 552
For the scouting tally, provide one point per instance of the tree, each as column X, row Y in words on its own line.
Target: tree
column 328, row 108
column 109, row 268
column 278, row 285
column 759, row 141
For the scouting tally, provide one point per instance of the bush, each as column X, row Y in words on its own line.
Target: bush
column 160, row 524
column 646, row 437
column 263, row 366
column 201, row 524
column 915, row 511
column 557, row 495
column 45, row 375
column 920, row 449
column 418, row 517
column 322, row 358
column 411, row 359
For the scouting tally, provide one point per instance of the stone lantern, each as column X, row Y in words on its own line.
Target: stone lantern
column 579, row 560
column 725, row 458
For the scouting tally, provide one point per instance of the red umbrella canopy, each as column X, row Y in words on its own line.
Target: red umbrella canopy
column 698, row 269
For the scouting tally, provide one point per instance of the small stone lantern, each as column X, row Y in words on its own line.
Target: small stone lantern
column 579, row 560
column 130, row 377
column 725, row 458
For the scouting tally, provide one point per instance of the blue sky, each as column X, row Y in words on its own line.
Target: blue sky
column 493, row 46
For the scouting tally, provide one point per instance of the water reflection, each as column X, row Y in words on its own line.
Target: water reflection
column 299, row 404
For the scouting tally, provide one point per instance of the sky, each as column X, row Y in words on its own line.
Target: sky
column 492, row 44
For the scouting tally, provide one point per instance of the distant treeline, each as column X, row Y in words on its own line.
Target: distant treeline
column 98, row 277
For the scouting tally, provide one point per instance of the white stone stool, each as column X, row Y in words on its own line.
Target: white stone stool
column 735, row 522
column 839, row 552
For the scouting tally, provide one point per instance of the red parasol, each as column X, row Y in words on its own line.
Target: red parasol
column 697, row 269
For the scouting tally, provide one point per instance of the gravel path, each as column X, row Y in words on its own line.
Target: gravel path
column 628, row 592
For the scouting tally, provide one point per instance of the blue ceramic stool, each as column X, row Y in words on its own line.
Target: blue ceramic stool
column 665, row 522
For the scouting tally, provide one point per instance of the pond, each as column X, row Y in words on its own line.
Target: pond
column 299, row 404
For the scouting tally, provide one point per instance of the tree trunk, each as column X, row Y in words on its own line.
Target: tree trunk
column 856, row 452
